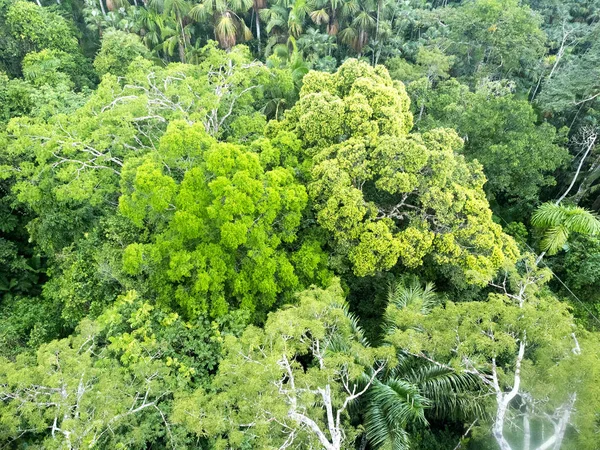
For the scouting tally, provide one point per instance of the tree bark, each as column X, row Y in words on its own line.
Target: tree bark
column 591, row 143
column 257, row 21
column 504, row 400
column 526, row 432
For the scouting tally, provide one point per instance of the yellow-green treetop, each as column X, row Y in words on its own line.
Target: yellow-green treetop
column 387, row 195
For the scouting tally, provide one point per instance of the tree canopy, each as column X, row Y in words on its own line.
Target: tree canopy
column 299, row 224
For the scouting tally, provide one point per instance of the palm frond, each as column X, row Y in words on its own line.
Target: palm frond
column 582, row 221
column 348, row 35
column 381, row 433
column 350, row 8
column 409, row 291
column 246, row 31
column 451, row 392
column 554, row 239
column 548, row 215
column 199, row 12
column 240, row 6
column 226, row 30
column 391, row 406
column 558, row 221
column 363, row 20
column 319, row 16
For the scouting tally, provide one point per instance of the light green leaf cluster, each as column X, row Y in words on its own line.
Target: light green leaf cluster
column 386, row 195
column 221, row 224
column 118, row 50
column 38, row 28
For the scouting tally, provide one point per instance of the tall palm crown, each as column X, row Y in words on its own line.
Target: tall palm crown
column 229, row 26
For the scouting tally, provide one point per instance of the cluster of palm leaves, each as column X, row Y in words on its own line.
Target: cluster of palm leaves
column 173, row 28
column 414, row 390
column 557, row 222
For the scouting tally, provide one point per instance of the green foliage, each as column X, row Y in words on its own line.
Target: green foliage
column 430, row 63
column 118, row 50
column 579, row 269
column 558, row 221
column 21, row 265
column 519, row 156
column 275, row 382
column 36, row 28
column 386, row 195
column 148, row 218
column 67, row 168
column 392, row 405
column 484, row 337
column 26, row 323
column 222, row 224
column 16, row 98
column 57, row 68
column 493, row 37
column 415, row 389
column 110, row 383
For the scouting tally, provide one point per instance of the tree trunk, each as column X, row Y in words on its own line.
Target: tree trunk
column 504, row 399
column 363, row 442
column 555, row 441
column 377, row 23
column 181, row 52
column 257, row 19
column 591, row 143
column 182, row 42
column 526, row 432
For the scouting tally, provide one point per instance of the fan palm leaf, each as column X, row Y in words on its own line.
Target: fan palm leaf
column 350, row 8
column 319, row 16
column 226, row 30
column 200, row 12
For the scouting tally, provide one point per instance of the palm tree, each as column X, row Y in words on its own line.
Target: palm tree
column 285, row 18
column 332, row 13
column 151, row 23
column 557, row 222
column 414, row 391
column 174, row 28
column 353, row 21
column 176, row 34
column 408, row 292
column 227, row 22
column 316, row 47
column 416, row 388
column 357, row 31
column 391, row 405
column 287, row 56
